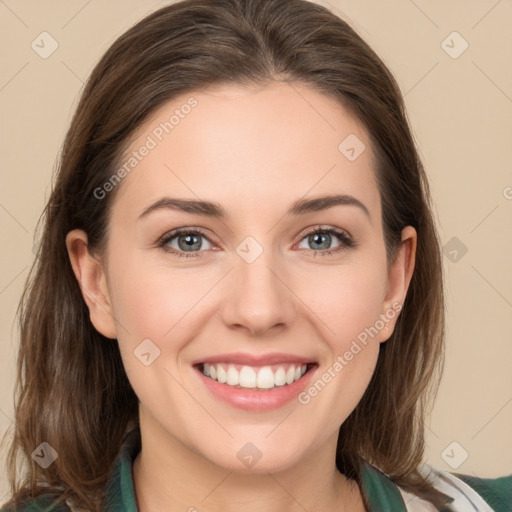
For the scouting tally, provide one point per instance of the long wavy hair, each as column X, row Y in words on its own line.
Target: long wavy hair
column 72, row 391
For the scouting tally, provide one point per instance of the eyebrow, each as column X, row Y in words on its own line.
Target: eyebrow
column 215, row 210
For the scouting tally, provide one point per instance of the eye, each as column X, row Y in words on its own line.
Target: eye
column 323, row 237
column 189, row 242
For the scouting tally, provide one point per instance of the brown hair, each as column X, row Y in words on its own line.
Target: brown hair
column 72, row 391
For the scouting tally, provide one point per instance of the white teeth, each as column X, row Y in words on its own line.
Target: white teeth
column 233, row 376
column 265, row 378
column 222, row 376
column 248, row 377
column 280, row 377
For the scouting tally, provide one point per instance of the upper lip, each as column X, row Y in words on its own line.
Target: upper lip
column 254, row 360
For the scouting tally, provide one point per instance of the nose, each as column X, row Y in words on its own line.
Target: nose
column 258, row 296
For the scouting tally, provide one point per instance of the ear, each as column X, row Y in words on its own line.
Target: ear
column 91, row 278
column 399, row 276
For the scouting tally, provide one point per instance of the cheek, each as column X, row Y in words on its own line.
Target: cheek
column 346, row 299
column 150, row 299
column 158, row 304
column 151, row 312
column 142, row 306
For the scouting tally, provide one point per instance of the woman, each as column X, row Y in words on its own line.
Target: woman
column 185, row 344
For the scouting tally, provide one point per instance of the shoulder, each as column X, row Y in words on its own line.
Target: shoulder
column 463, row 493
column 45, row 502
column 471, row 492
column 497, row 492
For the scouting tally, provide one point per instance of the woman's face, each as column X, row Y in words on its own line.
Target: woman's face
column 257, row 288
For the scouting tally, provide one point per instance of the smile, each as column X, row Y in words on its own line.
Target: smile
column 255, row 382
column 253, row 377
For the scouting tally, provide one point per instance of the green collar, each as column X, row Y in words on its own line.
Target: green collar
column 382, row 494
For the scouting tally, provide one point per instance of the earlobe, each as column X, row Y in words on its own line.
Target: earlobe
column 91, row 278
column 399, row 277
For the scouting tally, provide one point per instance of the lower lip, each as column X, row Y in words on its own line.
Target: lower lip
column 257, row 400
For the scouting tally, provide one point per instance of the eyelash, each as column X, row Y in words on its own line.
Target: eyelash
column 346, row 241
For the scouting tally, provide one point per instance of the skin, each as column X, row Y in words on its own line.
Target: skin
column 254, row 150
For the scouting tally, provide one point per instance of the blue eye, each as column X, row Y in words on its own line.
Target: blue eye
column 324, row 235
column 189, row 241
column 192, row 240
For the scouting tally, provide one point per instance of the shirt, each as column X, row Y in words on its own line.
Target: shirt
column 468, row 493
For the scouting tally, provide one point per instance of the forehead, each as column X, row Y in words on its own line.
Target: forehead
column 248, row 146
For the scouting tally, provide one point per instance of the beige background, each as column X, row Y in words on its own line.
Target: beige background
column 461, row 114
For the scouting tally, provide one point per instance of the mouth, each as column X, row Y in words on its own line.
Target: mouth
column 256, row 378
